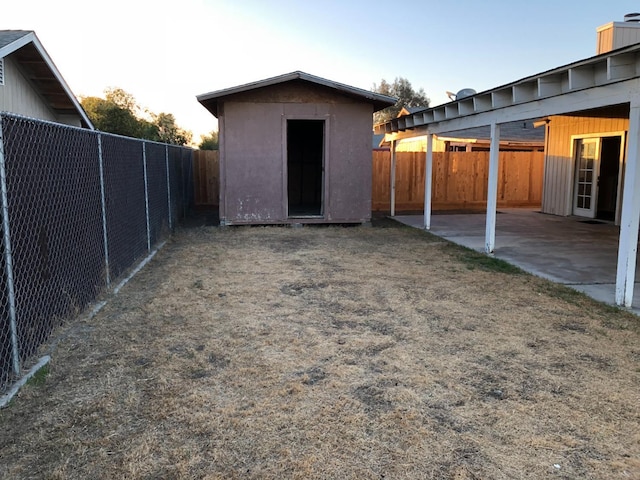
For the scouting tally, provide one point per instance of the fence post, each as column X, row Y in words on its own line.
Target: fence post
column 104, row 211
column 166, row 158
column 146, row 193
column 8, row 259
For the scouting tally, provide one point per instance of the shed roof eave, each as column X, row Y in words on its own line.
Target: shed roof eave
column 379, row 101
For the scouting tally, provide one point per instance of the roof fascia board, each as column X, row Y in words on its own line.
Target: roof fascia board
column 16, row 44
column 246, row 87
column 62, row 82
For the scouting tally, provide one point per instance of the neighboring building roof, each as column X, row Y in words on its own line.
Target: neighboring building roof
column 511, row 132
column 25, row 48
column 377, row 142
column 410, row 110
column 210, row 100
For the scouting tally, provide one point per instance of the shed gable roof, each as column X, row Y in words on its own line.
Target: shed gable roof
column 25, row 49
column 210, row 100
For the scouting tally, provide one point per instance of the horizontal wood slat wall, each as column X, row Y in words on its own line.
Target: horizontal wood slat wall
column 459, row 180
column 206, row 178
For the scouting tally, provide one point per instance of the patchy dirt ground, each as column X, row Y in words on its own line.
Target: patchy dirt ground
column 332, row 352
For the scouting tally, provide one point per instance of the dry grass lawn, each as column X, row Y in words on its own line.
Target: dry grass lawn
column 333, row 352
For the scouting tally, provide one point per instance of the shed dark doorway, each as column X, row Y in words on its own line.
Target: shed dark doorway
column 305, row 158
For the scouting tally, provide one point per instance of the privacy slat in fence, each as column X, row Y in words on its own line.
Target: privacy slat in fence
column 206, row 177
column 459, row 180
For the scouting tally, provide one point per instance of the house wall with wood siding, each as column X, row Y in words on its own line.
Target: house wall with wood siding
column 559, row 165
column 18, row 96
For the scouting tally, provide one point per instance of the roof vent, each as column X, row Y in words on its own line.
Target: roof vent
column 632, row 17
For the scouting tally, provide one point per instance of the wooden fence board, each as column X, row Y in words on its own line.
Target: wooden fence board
column 206, row 177
column 459, row 180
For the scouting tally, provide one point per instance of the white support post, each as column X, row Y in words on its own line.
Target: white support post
column 492, row 192
column 428, row 178
column 393, row 178
column 630, row 220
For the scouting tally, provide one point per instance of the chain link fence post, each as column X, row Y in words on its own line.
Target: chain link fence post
column 146, row 192
column 104, row 213
column 6, row 238
column 166, row 158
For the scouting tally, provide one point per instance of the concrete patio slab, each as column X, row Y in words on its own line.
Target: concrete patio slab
column 573, row 251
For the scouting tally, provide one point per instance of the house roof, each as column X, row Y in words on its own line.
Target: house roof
column 510, row 132
column 408, row 110
column 377, row 140
column 24, row 47
column 210, row 100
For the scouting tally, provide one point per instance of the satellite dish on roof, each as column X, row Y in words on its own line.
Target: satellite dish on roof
column 465, row 92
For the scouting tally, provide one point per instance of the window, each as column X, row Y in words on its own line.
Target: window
column 1, row 71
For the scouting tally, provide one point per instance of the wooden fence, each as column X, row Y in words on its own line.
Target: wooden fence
column 206, row 178
column 459, row 180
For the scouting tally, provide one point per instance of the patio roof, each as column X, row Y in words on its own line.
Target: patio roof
column 557, row 91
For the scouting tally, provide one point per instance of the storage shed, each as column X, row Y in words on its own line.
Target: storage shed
column 294, row 149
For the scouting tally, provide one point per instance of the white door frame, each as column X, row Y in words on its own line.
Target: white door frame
column 592, row 211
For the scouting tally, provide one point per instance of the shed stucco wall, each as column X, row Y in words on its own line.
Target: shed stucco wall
column 253, row 154
column 557, row 195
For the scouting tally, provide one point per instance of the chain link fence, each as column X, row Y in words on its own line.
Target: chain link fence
column 79, row 210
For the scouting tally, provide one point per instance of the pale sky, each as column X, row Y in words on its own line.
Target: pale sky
column 165, row 53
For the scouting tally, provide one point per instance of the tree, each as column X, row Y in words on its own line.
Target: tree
column 209, row 142
column 120, row 113
column 168, row 131
column 407, row 97
column 108, row 116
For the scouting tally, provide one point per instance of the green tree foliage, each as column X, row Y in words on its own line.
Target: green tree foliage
column 168, row 131
column 209, row 142
column 407, row 97
column 119, row 113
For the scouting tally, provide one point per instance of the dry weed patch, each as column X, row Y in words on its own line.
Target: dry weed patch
column 333, row 352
